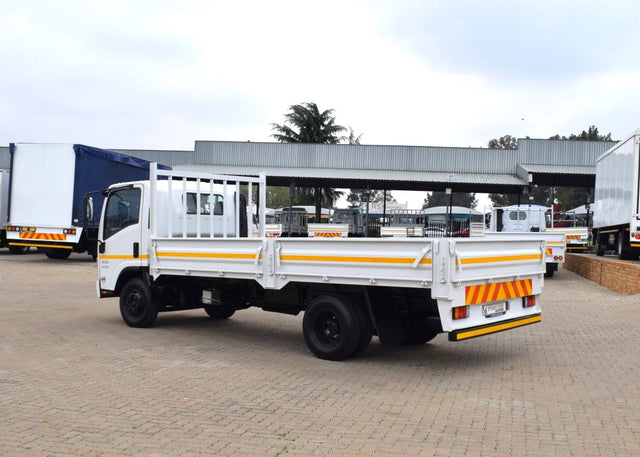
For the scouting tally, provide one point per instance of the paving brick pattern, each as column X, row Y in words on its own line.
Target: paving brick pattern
column 75, row 381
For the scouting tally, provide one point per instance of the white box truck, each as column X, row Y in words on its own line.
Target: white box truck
column 156, row 257
column 4, row 209
column 616, row 212
column 47, row 186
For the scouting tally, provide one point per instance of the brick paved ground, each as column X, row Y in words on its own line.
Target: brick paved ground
column 75, row 381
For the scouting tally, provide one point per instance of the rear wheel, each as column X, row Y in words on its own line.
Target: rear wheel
column 331, row 328
column 18, row 249
column 59, row 254
column 417, row 330
column 136, row 304
column 551, row 269
column 623, row 247
column 219, row 311
column 366, row 331
column 599, row 246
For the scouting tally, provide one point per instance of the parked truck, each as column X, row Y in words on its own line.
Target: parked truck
column 530, row 220
column 47, row 186
column 4, row 208
column 616, row 214
column 351, row 218
column 404, row 290
column 405, row 224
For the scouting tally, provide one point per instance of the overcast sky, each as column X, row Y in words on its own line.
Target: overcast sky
column 161, row 74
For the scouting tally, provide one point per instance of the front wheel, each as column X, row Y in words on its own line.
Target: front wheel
column 331, row 328
column 136, row 305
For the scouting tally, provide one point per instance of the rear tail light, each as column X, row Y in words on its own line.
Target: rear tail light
column 529, row 301
column 460, row 312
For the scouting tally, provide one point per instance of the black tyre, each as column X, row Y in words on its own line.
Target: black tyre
column 551, row 269
column 18, row 249
column 219, row 311
column 417, row 330
column 366, row 331
column 136, row 304
column 58, row 254
column 623, row 247
column 599, row 246
column 331, row 328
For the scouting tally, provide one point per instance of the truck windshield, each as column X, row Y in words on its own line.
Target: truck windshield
column 123, row 210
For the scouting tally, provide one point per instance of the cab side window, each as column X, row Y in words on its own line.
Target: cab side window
column 123, row 210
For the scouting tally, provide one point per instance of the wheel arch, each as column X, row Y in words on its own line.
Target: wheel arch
column 129, row 273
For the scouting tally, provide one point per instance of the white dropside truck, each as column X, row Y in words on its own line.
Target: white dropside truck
column 328, row 231
column 157, row 258
column 616, row 213
column 531, row 221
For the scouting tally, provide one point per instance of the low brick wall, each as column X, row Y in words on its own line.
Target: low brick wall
column 620, row 275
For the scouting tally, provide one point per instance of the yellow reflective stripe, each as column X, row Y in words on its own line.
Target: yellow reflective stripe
column 497, row 328
column 356, row 259
column 555, row 243
column 207, row 255
column 634, row 245
column 122, row 257
column 504, row 258
column 34, row 245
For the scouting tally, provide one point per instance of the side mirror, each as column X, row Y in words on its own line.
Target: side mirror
column 87, row 208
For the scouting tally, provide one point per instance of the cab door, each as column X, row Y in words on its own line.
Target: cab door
column 120, row 236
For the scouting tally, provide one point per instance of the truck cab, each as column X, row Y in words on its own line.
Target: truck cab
column 520, row 218
column 351, row 217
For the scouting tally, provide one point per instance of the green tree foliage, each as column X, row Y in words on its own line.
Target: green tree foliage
column 566, row 197
column 356, row 197
column 504, row 142
column 541, row 196
column 591, row 134
column 305, row 123
column 467, row 200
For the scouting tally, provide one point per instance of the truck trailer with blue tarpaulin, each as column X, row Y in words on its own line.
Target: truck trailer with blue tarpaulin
column 48, row 183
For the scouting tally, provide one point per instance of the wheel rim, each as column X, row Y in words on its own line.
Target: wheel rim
column 134, row 303
column 327, row 328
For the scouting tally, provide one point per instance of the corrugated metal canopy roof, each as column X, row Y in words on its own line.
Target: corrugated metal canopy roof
column 559, row 175
column 562, row 169
column 374, row 179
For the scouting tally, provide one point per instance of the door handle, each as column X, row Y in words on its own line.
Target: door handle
column 101, row 247
column 136, row 250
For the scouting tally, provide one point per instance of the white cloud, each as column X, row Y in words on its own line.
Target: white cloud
column 162, row 74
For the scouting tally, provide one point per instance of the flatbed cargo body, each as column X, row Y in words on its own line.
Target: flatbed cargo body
column 402, row 290
column 555, row 246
